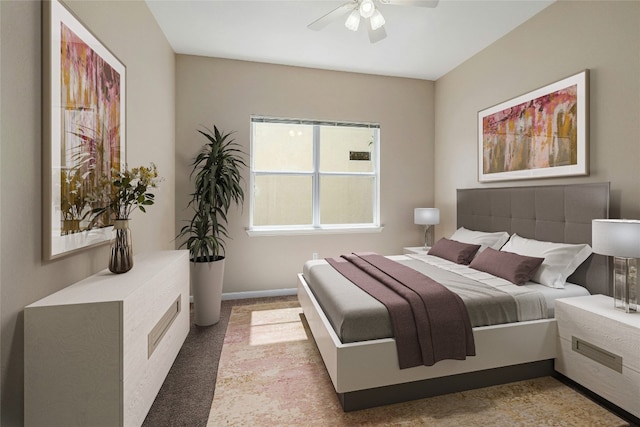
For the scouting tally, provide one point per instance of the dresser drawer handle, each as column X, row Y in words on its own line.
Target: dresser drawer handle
column 157, row 333
column 595, row 353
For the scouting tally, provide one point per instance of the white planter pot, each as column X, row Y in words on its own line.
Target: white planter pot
column 206, row 285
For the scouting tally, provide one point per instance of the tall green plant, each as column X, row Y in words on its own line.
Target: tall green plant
column 216, row 172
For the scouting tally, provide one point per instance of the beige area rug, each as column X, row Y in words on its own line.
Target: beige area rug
column 271, row 374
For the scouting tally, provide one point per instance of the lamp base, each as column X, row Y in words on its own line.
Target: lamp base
column 625, row 284
column 428, row 237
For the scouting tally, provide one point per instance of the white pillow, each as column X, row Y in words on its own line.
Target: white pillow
column 484, row 239
column 560, row 259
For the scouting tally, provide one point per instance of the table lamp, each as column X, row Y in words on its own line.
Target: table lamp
column 620, row 238
column 427, row 217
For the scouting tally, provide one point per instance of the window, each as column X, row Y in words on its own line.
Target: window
column 313, row 176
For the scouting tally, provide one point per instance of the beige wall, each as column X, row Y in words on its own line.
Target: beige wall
column 130, row 31
column 562, row 40
column 225, row 93
column 414, row 115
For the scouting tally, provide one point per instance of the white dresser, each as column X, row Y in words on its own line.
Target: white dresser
column 600, row 348
column 98, row 351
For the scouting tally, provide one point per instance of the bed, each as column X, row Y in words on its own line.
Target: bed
column 366, row 373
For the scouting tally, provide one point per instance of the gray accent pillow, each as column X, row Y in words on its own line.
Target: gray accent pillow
column 454, row 251
column 515, row 268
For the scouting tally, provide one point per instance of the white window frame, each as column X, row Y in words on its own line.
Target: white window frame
column 316, row 227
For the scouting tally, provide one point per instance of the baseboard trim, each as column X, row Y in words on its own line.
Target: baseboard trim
column 255, row 294
column 259, row 294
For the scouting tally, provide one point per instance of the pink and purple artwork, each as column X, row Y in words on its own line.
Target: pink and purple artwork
column 90, row 137
column 540, row 133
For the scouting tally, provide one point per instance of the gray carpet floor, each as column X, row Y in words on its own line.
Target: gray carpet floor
column 186, row 394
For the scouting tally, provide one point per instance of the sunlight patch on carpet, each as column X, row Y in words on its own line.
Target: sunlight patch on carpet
column 276, row 326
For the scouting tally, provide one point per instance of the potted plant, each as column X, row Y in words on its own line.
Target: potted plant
column 216, row 174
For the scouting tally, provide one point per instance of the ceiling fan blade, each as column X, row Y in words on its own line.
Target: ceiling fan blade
column 375, row 35
column 420, row 3
column 336, row 13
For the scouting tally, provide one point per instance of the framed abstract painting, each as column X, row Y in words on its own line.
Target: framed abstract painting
column 84, row 131
column 541, row 134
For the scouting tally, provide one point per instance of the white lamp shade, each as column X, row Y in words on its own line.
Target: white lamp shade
column 616, row 237
column 427, row 216
column 377, row 20
column 353, row 21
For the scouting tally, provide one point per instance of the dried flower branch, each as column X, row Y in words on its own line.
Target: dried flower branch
column 129, row 189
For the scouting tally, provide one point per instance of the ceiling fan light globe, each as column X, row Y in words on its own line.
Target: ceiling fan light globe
column 367, row 8
column 353, row 21
column 377, row 20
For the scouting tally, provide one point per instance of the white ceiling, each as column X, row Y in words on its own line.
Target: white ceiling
column 421, row 42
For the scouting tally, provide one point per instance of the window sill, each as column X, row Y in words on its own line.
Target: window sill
column 312, row 231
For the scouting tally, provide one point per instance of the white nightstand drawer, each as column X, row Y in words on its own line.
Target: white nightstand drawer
column 607, row 357
column 594, row 320
column 623, row 389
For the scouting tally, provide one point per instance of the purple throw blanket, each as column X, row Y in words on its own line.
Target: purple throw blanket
column 430, row 323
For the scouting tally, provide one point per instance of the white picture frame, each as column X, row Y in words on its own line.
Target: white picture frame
column 84, row 131
column 541, row 134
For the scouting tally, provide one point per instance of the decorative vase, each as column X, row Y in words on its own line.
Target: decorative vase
column 121, row 256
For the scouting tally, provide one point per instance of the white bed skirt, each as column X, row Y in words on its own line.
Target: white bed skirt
column 371, row 364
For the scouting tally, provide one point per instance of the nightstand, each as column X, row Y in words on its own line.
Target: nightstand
column 599, row 348
column 416, row 250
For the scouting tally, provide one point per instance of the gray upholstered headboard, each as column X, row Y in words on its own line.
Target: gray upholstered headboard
column 555, row 213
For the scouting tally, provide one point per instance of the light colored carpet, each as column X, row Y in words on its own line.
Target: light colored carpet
column 271, row 374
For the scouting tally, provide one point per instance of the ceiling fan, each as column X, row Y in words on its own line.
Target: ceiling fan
column 358, row 9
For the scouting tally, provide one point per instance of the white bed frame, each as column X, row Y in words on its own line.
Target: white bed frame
column 373, row 364
column 366, row 374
